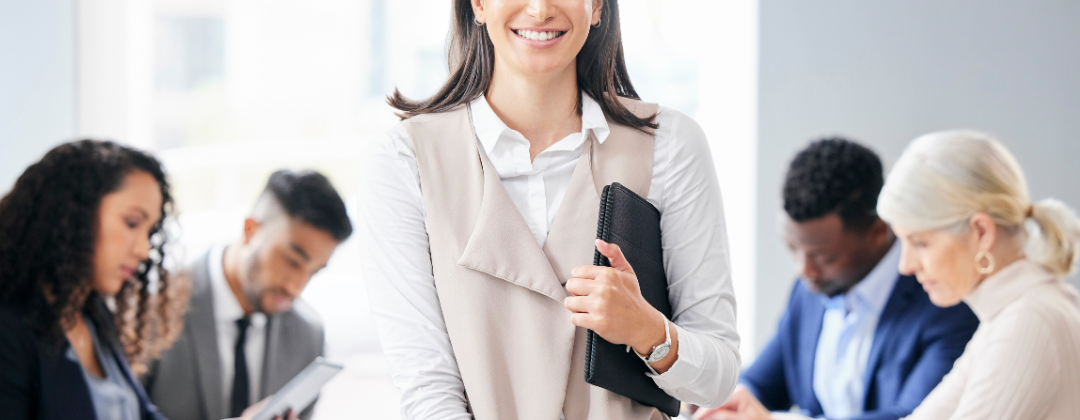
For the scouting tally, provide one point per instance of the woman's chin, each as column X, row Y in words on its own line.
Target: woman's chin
column 943, row 300
column 537, row 63
column 109, row 287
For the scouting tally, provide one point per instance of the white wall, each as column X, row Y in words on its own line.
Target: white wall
column 37, row 81
column 884, row 72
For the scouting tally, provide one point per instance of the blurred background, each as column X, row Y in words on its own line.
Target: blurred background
column 227, row 91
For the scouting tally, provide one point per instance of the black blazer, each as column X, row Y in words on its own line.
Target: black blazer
column 37, row 381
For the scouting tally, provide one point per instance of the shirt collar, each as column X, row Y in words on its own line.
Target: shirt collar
column 490, row 129
column 1007, row 285
column 592, row 118
column 226, row 308
column 874, row 289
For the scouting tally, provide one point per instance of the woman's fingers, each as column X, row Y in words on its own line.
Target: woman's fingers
column 588, row 271
column 615, row 256
column 581, row 286
column 583, row 320
column 578, row 304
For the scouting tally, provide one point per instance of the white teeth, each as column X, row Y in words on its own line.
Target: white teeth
column 538, row 36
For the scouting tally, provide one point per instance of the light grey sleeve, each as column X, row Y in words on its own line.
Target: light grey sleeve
column 697, row 264
column 397, row 271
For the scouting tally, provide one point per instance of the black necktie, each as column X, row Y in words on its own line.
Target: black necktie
column 240, row 390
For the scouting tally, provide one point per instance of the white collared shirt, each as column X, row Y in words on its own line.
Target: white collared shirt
column 227, row 311
column 847, row 332
column 536, row 187
column 397, row 263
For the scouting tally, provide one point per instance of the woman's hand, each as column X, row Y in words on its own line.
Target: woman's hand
column 608, row 301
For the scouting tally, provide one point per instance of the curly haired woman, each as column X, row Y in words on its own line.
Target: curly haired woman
column 79, row 229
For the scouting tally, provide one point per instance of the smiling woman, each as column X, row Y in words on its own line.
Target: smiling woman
column 480, row 210
column 593, row 56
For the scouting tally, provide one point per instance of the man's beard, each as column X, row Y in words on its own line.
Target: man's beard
column 251, row 283
column 831, row 288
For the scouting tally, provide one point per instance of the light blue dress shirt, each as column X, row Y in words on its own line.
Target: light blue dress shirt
column 112, row 395
column 847, row 332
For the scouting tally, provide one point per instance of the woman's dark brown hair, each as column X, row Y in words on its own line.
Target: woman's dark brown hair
column 48, row 231
column 601, row 69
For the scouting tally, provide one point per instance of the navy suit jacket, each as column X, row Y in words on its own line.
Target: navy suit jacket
column 38, row 381
column 915, row 345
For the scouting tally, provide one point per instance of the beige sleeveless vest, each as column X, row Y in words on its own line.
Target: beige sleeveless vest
column 501, row 293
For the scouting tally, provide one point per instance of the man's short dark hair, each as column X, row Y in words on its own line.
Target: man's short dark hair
column 308, row 196
column 834, row 175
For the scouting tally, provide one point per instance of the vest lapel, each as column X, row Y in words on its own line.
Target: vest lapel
column 500, row 227
column 570, row 241
column 501, row 244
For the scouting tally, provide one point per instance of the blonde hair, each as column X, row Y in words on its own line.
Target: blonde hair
column 944, row 178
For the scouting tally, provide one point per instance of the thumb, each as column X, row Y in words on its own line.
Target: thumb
column 615, row 256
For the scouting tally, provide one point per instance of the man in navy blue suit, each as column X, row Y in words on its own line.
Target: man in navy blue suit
column 858, row 340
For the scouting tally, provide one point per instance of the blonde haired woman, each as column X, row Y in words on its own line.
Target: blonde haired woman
column 959, row 203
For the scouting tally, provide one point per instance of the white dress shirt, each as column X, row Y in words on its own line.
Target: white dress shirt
column 397, row 263
column 847, row 333
column 227, row 311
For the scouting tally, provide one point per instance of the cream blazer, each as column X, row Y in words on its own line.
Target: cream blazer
column 502, row 295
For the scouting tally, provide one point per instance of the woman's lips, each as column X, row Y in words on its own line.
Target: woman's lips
column 127, row 272
column 539, row 38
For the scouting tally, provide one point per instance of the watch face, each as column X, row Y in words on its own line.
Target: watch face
column 659, row 352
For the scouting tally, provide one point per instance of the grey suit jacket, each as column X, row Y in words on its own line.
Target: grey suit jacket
column 186, row 383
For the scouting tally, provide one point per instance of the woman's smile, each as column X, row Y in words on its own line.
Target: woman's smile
column 539, row 37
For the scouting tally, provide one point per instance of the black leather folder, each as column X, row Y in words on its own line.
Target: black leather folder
column 632, row 223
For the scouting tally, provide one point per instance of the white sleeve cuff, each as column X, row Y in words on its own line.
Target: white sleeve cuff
column 686, row 368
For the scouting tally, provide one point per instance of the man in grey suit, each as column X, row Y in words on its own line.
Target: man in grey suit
column 247, row 332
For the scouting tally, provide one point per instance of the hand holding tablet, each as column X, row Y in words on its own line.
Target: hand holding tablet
column 300, row 392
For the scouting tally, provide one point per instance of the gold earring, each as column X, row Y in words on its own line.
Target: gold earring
column 989, row 268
